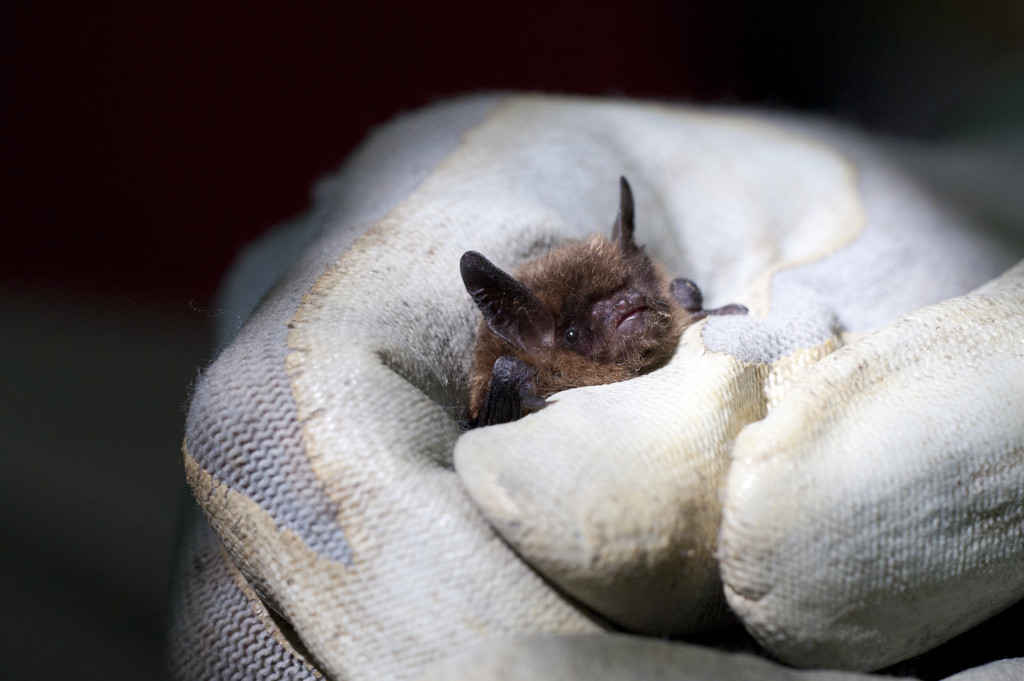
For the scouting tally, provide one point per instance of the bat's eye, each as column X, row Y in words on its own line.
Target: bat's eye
column 571, row 336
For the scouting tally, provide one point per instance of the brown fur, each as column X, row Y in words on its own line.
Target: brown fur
column 568, row 281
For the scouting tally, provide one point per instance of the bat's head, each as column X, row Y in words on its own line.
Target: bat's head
column 600, row 299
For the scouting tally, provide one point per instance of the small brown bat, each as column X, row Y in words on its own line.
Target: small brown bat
column 589, row 312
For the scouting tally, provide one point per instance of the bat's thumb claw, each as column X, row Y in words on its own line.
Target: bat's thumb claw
column 534, row 403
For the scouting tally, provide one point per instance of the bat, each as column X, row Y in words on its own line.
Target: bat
column 589, row 312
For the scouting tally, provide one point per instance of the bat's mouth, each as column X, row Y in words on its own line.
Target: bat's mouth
column 632, row 319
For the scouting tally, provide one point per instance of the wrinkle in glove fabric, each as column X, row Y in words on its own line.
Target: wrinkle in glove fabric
column 860, row 529
column 323, row 444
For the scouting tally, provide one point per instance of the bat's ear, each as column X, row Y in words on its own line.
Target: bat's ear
column 622, row 232
column 511, row 310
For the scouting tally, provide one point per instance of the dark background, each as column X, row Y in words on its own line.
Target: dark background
column 142, row 144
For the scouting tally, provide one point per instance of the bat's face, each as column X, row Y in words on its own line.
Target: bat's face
column 601, row 299
column 606, row 305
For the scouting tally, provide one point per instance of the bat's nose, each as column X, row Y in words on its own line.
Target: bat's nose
column 628, row 300
column 613, row 309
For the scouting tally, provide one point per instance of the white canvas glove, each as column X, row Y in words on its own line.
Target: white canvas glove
column 841, row 469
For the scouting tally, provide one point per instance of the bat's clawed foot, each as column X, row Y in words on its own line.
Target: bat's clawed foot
column 691, row 299
column 731, row 308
